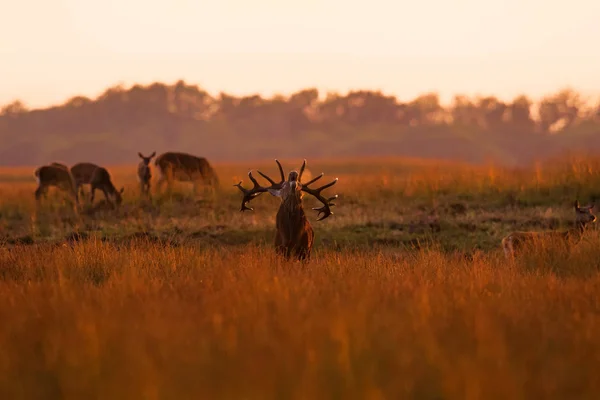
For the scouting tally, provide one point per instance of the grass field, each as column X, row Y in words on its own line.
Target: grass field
column 408, row 294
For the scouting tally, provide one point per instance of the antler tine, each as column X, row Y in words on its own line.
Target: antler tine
column 327, row 203
column 280, row 170
column 249, row 194
column 301, row 171
column 271, row 181
column 313, row 180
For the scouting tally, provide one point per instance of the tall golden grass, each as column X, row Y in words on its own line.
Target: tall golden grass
column 215, row 314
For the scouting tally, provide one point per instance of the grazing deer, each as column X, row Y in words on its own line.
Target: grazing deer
column 57, row 176
column 294, row 232
column 82, row 173
column 515, row 242
column 98, row 178
column 144, row 173
column 186, row 168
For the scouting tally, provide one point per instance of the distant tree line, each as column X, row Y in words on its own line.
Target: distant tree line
column 112, row 128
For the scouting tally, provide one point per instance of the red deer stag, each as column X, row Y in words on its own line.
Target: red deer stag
column 516, row 241
column 185, row 168
column 144, row 173
column 56, row 175
column 295, row 234
column 99, row 178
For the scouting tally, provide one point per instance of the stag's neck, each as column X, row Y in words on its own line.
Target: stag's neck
column 293, row 207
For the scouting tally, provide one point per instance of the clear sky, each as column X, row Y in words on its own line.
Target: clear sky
column 51, row 50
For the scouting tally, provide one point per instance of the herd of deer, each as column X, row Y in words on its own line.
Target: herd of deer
column 172, row 166
column 294, row 233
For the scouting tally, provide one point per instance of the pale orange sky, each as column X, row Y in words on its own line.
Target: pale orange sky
column 51, row 50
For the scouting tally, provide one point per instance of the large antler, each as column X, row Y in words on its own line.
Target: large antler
column 327, row 202
column 257, row 190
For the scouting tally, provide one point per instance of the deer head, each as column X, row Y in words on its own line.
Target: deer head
column 290, row 191
column 584, row 215
column 146, row 160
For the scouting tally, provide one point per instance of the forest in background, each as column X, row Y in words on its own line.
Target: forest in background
column 113, row 127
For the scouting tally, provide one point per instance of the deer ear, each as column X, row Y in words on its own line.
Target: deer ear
column 152, row 155
column 140, row 154
column 122, row 190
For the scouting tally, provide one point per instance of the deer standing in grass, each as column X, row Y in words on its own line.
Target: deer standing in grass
column 516, row 241
column 295, row 235
column 98, row 178
column 185, row 168
column 56, row 175
column 144, row 173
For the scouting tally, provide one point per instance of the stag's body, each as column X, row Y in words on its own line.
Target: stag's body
column 144, row 173
column 98, row 178
column 57, row 176
column 516, row 241
column 295, row 235
column 185, row 168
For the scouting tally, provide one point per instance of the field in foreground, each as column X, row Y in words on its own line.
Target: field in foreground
column 408, row 295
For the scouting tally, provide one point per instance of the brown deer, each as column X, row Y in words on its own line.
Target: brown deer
column 294, row 234
column 186, row 168
column 516, row 241
column 144, row 173
column 57, row 176
column 98, row 178
column 59, row 165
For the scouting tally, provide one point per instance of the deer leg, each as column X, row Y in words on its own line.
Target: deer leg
column 40, row 191
column 279, row 247
column 72, row 189
column 79, row 190
column 303, row 254
column 106, row 196
column 93, row 194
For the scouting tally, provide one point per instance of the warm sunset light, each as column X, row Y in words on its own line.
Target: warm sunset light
column 299, row 199
column 52, row 50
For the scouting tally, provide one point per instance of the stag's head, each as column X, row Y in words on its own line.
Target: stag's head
column 146, row 160
column 290, row 191
column 584, row 215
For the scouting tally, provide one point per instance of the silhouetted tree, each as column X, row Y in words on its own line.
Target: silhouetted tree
column 181, row 116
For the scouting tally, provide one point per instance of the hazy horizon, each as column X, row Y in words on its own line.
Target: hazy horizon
column 74, row 47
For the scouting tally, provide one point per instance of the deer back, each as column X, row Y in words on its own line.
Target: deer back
column 185, row 166
column 51, row 175
column 101, row 179
column 83, row 172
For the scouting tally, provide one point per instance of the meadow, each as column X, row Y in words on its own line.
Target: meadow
column 407, row 295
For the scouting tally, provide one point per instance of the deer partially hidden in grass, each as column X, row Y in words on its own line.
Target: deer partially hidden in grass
column 294, row 235
column 516, row 241
column 144, row 173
